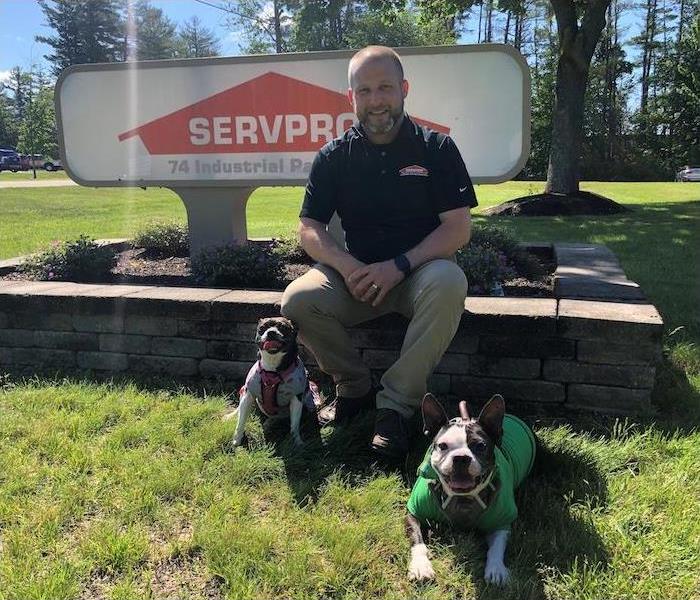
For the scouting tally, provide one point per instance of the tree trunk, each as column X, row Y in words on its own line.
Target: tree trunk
column 576, row 46
column 507, row 28
column 277, row 11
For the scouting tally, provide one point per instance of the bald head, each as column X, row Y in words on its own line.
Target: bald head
column 371, row 54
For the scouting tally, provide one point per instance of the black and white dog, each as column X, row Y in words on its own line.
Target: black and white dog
column 467, row 480
column 278, row 382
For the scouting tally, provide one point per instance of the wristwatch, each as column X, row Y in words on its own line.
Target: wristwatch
column 403, row 265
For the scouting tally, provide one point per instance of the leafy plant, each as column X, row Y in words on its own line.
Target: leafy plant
column 290, row 251
column 79, row 260
column 485, row 267
column 502, row 240
column 162, row 238
column 250, row 265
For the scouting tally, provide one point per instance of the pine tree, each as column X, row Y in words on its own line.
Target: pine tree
column 196, row 41
column 155, row 33
column 86, row 31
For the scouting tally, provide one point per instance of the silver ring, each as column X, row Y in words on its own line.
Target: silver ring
column 374, row 286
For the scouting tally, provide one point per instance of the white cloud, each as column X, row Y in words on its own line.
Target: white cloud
column 4, row 76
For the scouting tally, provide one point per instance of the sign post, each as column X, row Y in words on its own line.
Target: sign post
column 213, row 130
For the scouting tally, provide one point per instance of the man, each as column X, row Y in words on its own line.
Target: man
column 403, row 195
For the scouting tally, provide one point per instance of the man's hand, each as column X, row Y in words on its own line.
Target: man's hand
column 371, row 283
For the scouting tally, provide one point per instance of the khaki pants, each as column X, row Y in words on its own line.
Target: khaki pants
column 432, row 297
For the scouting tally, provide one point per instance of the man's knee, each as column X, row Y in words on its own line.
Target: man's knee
column 297, row 300
column 446, row 279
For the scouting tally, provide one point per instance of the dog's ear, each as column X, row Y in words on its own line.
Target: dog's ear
column 491, row 417
column 292, row 326
column 434, row 415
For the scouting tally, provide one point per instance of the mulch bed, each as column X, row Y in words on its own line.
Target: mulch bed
column 137, row 267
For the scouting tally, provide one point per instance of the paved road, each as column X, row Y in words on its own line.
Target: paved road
column 32, row 183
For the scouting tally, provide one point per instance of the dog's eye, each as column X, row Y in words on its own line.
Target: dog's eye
column 478, row 446
column 442, row 446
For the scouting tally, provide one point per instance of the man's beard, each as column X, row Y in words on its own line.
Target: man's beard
column 386, row 126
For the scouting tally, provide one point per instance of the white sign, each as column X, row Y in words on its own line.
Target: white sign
column 260, row 120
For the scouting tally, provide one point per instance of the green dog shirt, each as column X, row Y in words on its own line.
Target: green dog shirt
column 514, row 459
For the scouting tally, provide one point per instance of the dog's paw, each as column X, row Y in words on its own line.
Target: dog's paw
column 496, row 574
column 420, row 568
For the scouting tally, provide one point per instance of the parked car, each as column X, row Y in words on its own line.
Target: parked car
column 9, row 160
column 51, row 164
column 31, row 161
column 688, row 173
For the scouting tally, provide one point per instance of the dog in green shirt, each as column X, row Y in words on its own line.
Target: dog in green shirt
column 468, row 479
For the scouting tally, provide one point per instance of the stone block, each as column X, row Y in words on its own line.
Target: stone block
column 588, row 260
column 237, row 351
column 17, row 338
column 246, row 305
column 380, row 359
column 172, row 346
column 464, row 343
column 597, row 288
column 510, row 368
column 5, row 357
column 178, row 302
column 612, row 400
column 103, row 361
column 99, row 323
column 140, row 325
column 44, row 321
column 226, row 369
column 66, row 340
column 43, row 358
column 217, row 330
column 454, row 364
column 526, row 347
column 163, row 365
column 587, row 319
column 568, row 371
column 521, row 389
column 617, row 353
column 377, row 338
column 524, row 316
column 127, row 344
column 439, row 384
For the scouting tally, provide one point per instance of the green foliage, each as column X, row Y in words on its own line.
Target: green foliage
column 81, row 260
column 163, row 238
column 485, row 267
column 155, row 34
column 290, row 250
column 196, row 41
column 253, row 265
column 86, row 31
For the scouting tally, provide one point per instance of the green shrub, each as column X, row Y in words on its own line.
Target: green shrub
column 77, row 260
column 485, row 267
column 290, row 251
column 502, row 240
column 251, row 265
column 163, row 239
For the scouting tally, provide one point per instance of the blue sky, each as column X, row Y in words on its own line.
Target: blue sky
column 22, row 20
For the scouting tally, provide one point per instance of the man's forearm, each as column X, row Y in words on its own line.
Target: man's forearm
column 320, row 245
column 443, row 242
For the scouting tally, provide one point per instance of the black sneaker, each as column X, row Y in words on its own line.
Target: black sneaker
column 390, row 434
column 343, row 409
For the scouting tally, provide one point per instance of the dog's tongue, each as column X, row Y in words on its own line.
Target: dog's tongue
column 462, row 483
column 271, row 345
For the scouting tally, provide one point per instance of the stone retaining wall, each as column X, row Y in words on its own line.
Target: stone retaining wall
column 592, row 352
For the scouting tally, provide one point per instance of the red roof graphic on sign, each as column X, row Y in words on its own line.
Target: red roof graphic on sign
column 269, row 113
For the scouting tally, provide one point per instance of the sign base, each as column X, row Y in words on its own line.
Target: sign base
column 215, row 216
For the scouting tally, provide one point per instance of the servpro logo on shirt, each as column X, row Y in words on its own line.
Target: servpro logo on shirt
column 267, row 114
column 415, row 170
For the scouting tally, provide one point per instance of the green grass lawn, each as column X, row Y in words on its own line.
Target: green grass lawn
column 112, row 491
column 29, row 175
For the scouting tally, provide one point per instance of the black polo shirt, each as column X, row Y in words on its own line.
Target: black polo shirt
column 389, row 196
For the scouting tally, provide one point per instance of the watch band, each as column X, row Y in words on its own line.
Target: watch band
column 403, row 265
